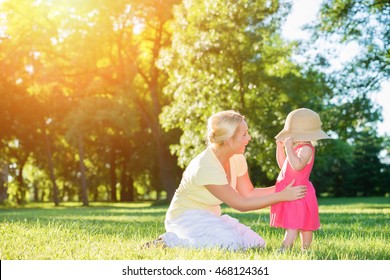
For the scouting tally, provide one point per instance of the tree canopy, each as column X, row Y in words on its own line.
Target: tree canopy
column 108, row 100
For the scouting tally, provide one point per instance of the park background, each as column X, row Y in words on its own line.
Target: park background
column 104, row 103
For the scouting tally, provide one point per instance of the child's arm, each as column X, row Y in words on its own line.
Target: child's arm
column 297, row 161
column 280, row 154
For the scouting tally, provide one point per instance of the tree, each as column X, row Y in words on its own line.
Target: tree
column 102, row 120
column 230, row 55
column 20, row 114
column 82, row 49
column 156, row 16
column 368, row 176
column 333, row 167
column 366, row 25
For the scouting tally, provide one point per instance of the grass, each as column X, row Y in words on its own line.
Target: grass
column 352, row 229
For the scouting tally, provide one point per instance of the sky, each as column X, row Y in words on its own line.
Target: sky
column 304, row 11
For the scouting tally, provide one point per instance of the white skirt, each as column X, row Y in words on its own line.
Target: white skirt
column 202, row 229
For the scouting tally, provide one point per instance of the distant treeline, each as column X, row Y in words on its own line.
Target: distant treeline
column 108, row 100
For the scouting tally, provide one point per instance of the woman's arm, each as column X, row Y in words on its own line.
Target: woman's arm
column 235, row 200
column 246, row 189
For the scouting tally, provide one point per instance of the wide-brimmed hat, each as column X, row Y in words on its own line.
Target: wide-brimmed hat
column 302, row 125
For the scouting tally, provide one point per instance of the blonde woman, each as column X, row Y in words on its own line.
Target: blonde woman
column 219, row 175
column 295, row 156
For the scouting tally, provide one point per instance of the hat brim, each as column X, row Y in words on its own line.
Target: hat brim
column 302, row 136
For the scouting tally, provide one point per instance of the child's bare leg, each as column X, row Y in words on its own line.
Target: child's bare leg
column 289, row 238
column 306, row 239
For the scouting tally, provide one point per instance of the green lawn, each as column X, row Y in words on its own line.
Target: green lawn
column 352, row 229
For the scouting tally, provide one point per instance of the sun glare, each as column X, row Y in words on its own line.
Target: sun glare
column 138, row 27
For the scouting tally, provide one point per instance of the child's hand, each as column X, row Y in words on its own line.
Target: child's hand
column 279, row 143
column 289, row 143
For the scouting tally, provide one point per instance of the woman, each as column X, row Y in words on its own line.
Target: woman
column 219, row 175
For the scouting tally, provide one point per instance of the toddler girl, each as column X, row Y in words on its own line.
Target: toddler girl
column 295, row 156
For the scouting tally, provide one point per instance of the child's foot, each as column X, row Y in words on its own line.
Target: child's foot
column 305, row 250
column 283, row 249
column 306, row 247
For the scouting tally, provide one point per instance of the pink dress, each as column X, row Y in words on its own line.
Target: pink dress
column 299, row 214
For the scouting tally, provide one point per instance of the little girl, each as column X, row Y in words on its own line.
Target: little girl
column 301, row 131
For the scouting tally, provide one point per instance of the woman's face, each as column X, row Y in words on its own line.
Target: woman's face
column 241, row 139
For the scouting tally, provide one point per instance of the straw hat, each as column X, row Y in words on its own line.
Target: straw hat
column 302, row 125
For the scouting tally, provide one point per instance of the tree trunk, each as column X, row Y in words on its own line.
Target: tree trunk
column 166, row 168
column 127, row 190
column 22, row 189
column 127, row 184
column 84, row 189
column 36, row 193
column 113, row 173
column 51, row 169
column 3, row 183
column 166, row 165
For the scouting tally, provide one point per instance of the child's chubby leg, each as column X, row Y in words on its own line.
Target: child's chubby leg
column 289, row 238
column 306, row 239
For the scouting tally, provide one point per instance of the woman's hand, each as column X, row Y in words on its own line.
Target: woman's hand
column 293, row 193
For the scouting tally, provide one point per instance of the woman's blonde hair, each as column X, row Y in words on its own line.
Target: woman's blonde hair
column 222, row 126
